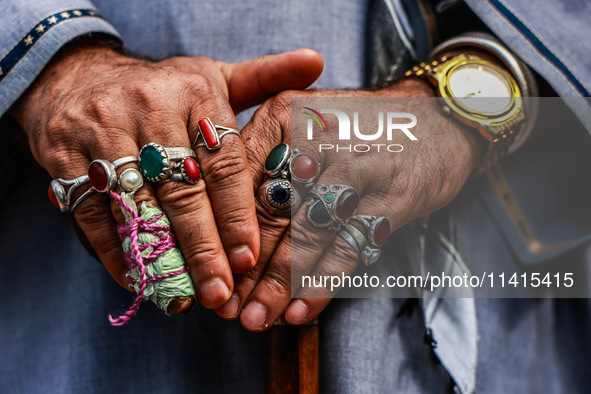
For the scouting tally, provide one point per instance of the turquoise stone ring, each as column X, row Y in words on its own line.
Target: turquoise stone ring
column 332, row 205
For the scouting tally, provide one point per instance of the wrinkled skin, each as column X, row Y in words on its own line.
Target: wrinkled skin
column 92, row 102
column 425, row 177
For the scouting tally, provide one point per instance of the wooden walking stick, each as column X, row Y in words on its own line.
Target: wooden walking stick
column 293, row 358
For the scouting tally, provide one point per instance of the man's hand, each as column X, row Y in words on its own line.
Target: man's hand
column 403, row 186
column 94, row 103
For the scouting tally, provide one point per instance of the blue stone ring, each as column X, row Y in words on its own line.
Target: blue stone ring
column 277, row 196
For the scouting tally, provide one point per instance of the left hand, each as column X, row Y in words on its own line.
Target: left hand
column 422, row 179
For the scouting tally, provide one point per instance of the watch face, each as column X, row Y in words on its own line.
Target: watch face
column 480, row 88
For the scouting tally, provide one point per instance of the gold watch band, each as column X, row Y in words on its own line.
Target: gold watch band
column 425, row 67
column 495, row 147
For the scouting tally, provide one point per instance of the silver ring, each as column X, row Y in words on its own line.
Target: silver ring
column 130, row 180
column 63, row 199
column 157, row 163
column 300, row 168
column 125, row 160
column 103, row 175
column 304, row 168
column 277, row 161
column 208, row 132
column 332, row 205
column 277, row 196
column 60, row 197
column 377, row 228
column 367, row 254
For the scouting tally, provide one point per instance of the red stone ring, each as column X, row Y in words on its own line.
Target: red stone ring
column 300, row 168
column 209, row 132
column 103, row 174
column 368, row 253
column 161, row 164
column 304, row 169
column 332, row 205
column 98, row 175
column 377, row 227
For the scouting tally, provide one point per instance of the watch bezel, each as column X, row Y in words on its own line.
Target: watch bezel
column 474, row 117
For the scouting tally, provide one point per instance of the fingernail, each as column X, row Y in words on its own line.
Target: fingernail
column 214, row 293
column 181, row 304
column 230, row 309
column 253, row 316
column 241, row 260
column 296, row 312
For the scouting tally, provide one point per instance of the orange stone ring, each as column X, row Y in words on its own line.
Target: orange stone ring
column 209, row 132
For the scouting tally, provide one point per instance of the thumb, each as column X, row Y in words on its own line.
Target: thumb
column 252, row 81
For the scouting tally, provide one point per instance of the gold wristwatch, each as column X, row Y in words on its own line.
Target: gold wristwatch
column 480, row 94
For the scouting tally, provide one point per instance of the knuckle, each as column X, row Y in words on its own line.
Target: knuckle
column 56, row 125
column 279, row 108
column 403, row 185
column 101, row 107
column 282, row 102
column 259, row 137
column 197, row 254
column 60, row 142
column 238, row 219
column 227, row 164
column 344, row 259
column 66, row 163
column 145, row 95
column 278, row 279
column 109, row 249
column 91, row 212
column 198, row 84
column 303, row 236
column 180, row 199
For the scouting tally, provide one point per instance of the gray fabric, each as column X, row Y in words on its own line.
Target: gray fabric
column 546, row 35
column 54, row 335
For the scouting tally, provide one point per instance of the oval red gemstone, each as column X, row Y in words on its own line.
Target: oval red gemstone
column 98, row 176
column 304, row 166
column 191, row 169
column 210, row 135
column 52, row 197
column 347, row 204
column 382, row 232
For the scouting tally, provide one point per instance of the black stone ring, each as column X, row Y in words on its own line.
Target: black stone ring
column 332, row 205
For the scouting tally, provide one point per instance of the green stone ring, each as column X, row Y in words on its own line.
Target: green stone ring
column 158, row 162
column 291, row 164
column 277, row 160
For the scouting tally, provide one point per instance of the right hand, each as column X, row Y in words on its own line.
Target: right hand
column 94, row 103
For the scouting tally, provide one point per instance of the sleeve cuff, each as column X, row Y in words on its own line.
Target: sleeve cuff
column 28, row 57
